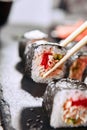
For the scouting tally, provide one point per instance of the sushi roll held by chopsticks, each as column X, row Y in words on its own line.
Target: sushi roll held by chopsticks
column 65, row 102
column 41, row 57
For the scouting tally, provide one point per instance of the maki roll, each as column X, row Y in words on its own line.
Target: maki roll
column 65, row 102
column 30, row 37
column 78, row 66
column 41, row 57
column 85, row 76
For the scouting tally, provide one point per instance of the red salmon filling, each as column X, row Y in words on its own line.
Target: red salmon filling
column 80, row 102
column 45, row 59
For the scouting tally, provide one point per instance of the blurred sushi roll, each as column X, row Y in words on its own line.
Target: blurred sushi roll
column 70, row 45
column 78, row 66
column 30, row 37
column 41, row 57
column 65, row 102
column 85, row 76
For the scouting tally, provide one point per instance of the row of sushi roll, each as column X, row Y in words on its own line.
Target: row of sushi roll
column 65, row 98
column 42, row 55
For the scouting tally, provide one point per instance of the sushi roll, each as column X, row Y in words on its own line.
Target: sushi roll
column 85, row 76
column 30, row 37
column 41, row 57
column 78, row 66
column 65, row 102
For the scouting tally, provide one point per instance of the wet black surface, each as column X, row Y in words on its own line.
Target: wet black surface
column 20, row 67
column 35, row 89
column 35, row 118
column 27, row 84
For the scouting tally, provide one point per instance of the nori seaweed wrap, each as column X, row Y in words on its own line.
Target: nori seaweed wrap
column 5, row 114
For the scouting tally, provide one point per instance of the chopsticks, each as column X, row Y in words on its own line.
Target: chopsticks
column 74, row 34
column 73, row 50
column 70, row 52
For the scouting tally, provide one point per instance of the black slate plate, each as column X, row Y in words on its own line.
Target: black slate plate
column 35, row 118
column 35, row 89
column 27, row 84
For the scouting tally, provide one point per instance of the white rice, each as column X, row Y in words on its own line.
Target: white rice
column 37, row 68
column 56, row 119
